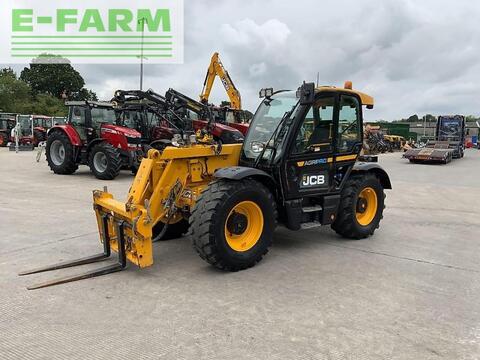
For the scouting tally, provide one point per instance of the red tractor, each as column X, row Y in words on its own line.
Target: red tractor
column 33, row 129
column 7, row 123
column 91, row 137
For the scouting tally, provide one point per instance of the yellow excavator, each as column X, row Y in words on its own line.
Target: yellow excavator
column 297, row 166
column 232, row 115
column 215, row 69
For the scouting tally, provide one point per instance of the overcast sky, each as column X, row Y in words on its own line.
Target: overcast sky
column 412, row 56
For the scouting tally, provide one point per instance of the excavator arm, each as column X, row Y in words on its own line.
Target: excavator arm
column 216, row 69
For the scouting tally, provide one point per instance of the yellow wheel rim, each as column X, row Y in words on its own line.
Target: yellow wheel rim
column 244, row 226
column 367, row 206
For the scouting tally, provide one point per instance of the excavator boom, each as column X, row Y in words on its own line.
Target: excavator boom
column 215, row 69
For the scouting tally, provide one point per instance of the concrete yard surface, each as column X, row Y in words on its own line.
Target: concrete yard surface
column 412, row 291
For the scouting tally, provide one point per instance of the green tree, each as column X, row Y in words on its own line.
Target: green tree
column 413, row 118
column 55, row 75
column 14, row 93
column 84, row 94
column 16, row 96
column 49, row 105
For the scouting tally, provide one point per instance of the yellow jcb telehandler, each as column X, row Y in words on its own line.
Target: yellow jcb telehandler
column 299, row 165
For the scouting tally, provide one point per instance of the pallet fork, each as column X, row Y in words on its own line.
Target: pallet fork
column 120, row 265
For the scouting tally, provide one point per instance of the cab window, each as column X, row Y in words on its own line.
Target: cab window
column 349, row 132
column 78, row 116
column 316, row 131
column 102, row 116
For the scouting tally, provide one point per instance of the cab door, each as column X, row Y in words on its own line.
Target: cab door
column 77, row 118
column 308, row 169
column 349, row 138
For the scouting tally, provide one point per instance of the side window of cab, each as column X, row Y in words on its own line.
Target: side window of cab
column 349, row 131
column 77, row 116
column 316, row 130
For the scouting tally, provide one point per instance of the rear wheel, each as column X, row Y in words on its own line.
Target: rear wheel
column 105, row 161
column 232, row 223
column 361, row 207
column 60, row 154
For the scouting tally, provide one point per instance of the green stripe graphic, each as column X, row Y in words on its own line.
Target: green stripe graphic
column 90, row 43
column 90, row 37
column 90, row 49
column 95, row 55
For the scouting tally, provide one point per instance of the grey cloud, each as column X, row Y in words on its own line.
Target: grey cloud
column 412, row 56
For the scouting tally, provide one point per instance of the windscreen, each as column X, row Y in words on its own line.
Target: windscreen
column 265, row 121
column 102, row 116
column 450, row 128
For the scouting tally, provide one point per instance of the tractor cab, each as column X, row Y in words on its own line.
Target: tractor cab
column 7, row 123
column 294, row 138
column 33, row 129
column 93, row 120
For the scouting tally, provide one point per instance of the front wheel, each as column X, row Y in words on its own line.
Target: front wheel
column 232, row 223
column 361, row 207
column 105, row 161
column 60, row 154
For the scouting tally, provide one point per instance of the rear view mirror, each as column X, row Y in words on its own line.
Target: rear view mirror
column 306, row 93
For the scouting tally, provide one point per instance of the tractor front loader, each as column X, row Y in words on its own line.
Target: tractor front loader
column 299, row 166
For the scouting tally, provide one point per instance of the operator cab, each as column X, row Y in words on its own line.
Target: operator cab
column 308, row 142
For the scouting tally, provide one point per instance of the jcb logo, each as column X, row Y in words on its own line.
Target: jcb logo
column 313, row 180
column 225, row 83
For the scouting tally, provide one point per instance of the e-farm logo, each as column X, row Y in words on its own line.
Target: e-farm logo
column 91, row 31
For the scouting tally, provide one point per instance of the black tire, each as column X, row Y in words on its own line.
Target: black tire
column 346, row 223
column 112, row 165
column 3, row 139
column 174, row 231
column 209, row 217
column 38, row 137
column 68, row 166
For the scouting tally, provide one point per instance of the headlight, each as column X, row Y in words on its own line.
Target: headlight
column 111, row 131
column 257, row 146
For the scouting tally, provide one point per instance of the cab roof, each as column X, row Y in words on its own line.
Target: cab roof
column 366, row 100
column 89, row 103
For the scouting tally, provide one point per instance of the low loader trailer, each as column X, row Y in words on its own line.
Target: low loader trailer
column 449, row 142
column 440, row 153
